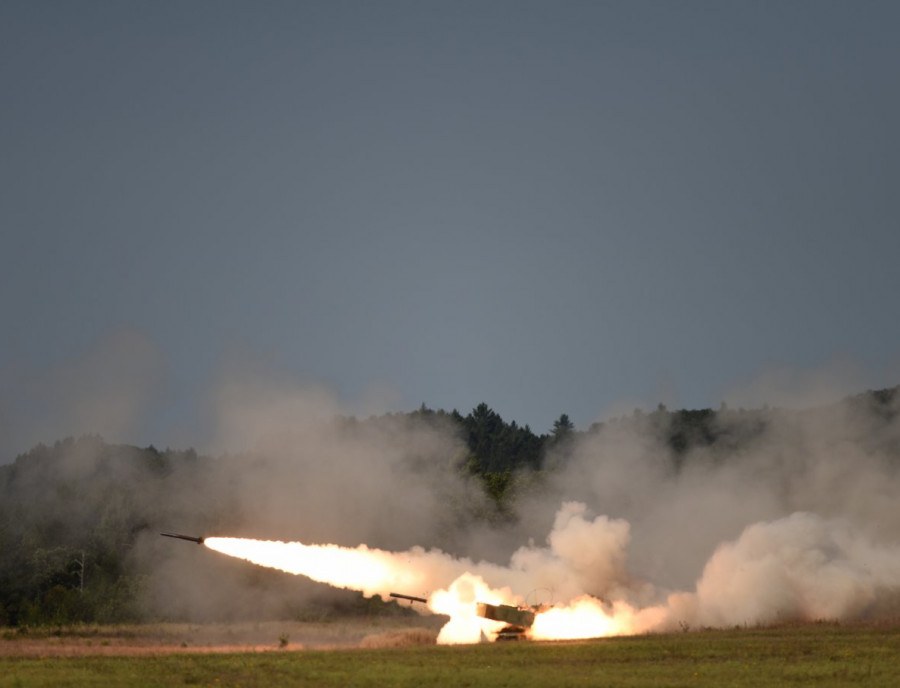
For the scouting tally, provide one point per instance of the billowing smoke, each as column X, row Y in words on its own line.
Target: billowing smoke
column 799, row 567
column 305, row 470
column 788, row 515
column 581, row 554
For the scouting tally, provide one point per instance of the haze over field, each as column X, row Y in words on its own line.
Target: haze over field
column 791, row 520
column 781, row 516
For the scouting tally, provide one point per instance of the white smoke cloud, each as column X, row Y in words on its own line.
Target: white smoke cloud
column 717, row 542
column 792, row 516
column 801, row 567
column 305, row 470
column 581, row 553
column 583, row 557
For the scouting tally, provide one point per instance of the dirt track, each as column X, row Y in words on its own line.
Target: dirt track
column 158, row 639
column 49, row 648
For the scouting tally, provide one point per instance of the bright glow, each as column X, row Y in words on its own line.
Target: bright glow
column 585, row 617
column 459, row 602
column 371, row 571
column 799, row 567
column 377, row 572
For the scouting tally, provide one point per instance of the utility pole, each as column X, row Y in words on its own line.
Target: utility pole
column 81, row 575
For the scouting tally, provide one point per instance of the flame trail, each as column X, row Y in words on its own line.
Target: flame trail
column 588, row 617
column 377, row 572
column 371, row 571
column 454, row 586
column 801, row 567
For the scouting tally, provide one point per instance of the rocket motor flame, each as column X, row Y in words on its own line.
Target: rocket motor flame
column 588, row 617
column 453, row 586
column 376, row 572
column 371, row 571
column 801, row 567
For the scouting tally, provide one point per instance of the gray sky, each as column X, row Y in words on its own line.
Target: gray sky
column 553, row 207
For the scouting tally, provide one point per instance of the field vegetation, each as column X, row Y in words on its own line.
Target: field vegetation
column 802, row 655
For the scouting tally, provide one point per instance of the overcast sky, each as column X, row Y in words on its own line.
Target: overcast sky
column 552, row 207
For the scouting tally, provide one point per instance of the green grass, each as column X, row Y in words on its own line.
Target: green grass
column 815, row 655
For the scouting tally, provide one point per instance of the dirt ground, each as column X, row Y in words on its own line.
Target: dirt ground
column 270, row 636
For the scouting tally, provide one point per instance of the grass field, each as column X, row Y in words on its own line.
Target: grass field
column 810, row 655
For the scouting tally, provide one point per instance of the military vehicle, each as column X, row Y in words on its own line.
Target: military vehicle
column 517, row 619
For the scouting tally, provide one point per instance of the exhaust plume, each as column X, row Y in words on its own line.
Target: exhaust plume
column 789, row 518
column 786, row 515
column 798, row 568
column 581, row 553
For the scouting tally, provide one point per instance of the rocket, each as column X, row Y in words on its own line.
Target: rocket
column 198, row 540
column 411, row 598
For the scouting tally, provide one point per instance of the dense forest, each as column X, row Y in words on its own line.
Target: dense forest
column 79, row 518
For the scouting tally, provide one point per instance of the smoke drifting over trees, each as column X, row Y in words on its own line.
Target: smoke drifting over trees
column 704, row 517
